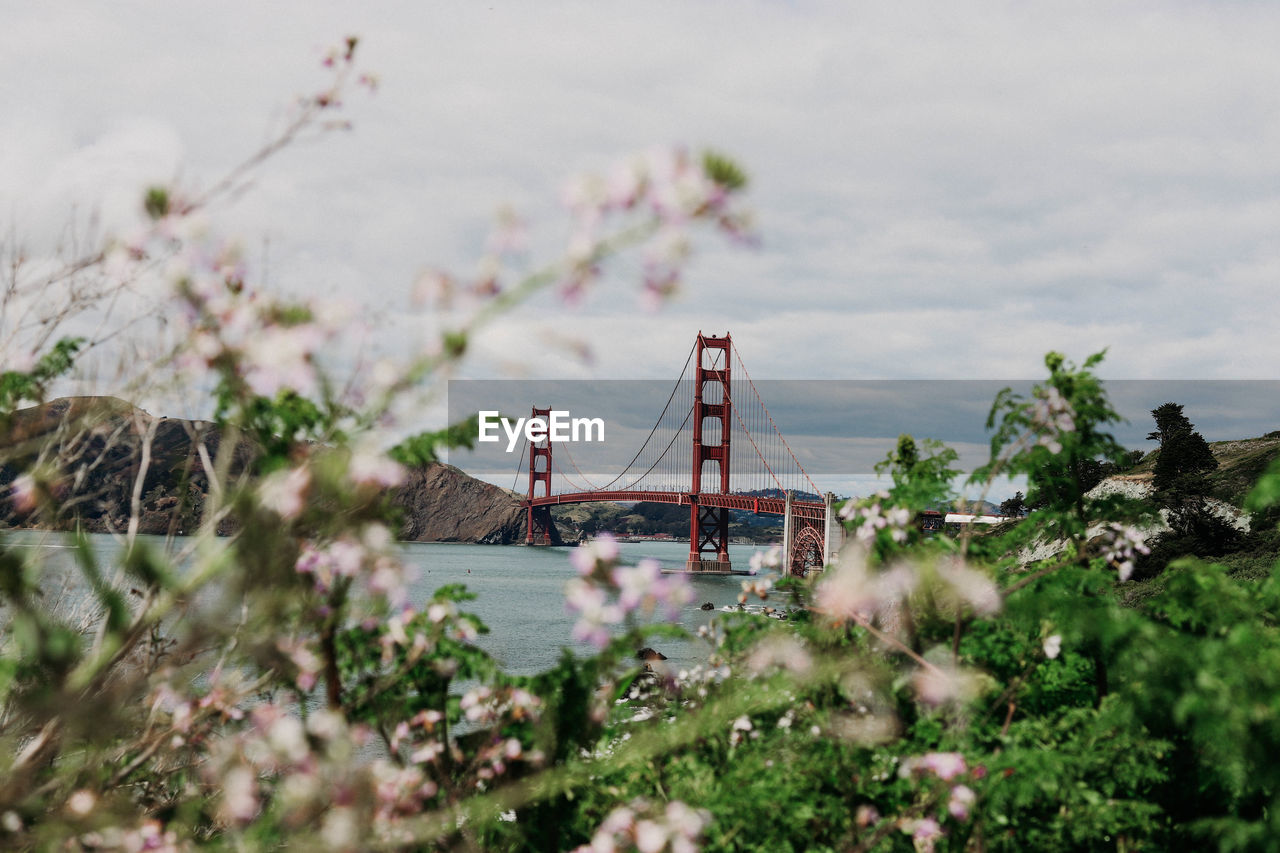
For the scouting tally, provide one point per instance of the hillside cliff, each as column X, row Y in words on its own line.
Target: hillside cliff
column 97, row 445
column 443, row 504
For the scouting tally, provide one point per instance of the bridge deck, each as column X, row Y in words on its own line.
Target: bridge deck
column 811, row 510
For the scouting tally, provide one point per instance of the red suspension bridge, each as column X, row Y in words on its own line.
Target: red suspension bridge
column 714, row 447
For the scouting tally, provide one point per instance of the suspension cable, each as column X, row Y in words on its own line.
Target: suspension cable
column 576, row 486
column 565, row 450
column 656, row 423
column 660, row 458
column 520, row 462
column 750, row 439
column 782, row 438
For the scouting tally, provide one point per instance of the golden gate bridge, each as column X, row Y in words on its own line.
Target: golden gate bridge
column 714, row 447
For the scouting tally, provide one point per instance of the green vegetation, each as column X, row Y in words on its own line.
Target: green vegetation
column 577, row 521
column 930, row 692
column 276, row 688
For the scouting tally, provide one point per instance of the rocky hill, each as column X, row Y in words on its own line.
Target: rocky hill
column 98, row 444
column 443, row 504
column 1240, row 463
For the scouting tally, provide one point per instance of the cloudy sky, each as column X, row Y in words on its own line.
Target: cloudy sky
column 838, row 429
column 941, row 190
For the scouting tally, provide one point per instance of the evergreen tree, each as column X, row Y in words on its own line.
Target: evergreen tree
column 1184, row 454
column 1181, row 489
column 1169, row 420
column 1014, row 507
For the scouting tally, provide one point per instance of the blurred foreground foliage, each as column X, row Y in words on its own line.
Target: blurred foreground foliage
column 278, row 686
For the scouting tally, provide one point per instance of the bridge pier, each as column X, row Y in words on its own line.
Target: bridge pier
column 709, row 567
column 541, row 527
column 709, row 534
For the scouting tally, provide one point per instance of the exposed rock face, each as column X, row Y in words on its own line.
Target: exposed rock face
column 443, row 504
column 97, row 446
column 1136, row 487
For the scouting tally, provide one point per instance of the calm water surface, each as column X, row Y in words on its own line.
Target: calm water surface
column 521, row 595
column 520, row 590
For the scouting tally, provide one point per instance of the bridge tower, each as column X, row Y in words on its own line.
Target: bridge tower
column 709, row 526
column 540, row 523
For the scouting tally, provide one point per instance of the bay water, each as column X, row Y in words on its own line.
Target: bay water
column 519, row 589
column 521, row 596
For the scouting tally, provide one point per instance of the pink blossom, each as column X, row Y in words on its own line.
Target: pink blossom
column 306, row 660
column 649, row 836
column 433, row 288
column 639, row 827
column 590, row 601
column 665, row 184
column 346, row 557
column 428, row 752
column 239, row 795
column 971, row 586
column 308, row 560
column 395, row 629
column 81, row 802
column 464, row 630
column 1051, row 416
column 871, row 519
column 645, row 587
column 24, row 493
column 770, row 559
column 925, row 834
column 935, row 685
column 284, row 492
column 600, row 551
column 661, row 284
column 371, row 467
column 388, row 580
column 684, row 820
column 427, row 719
column 851, row 590
column 279, row 358
column 944, row 765
column 961, row 801
column 786, row 652
column 522, row 701
column 759, row 588
column 846, row 591
column 625, row 184
column 635, row 585
column 1120, row 546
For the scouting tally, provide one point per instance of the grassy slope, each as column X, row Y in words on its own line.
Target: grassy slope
column 1240, row 463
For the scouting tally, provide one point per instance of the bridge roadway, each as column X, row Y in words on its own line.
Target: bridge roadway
column 810, row 510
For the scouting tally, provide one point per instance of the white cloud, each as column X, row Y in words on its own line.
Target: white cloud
column 943, row 191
